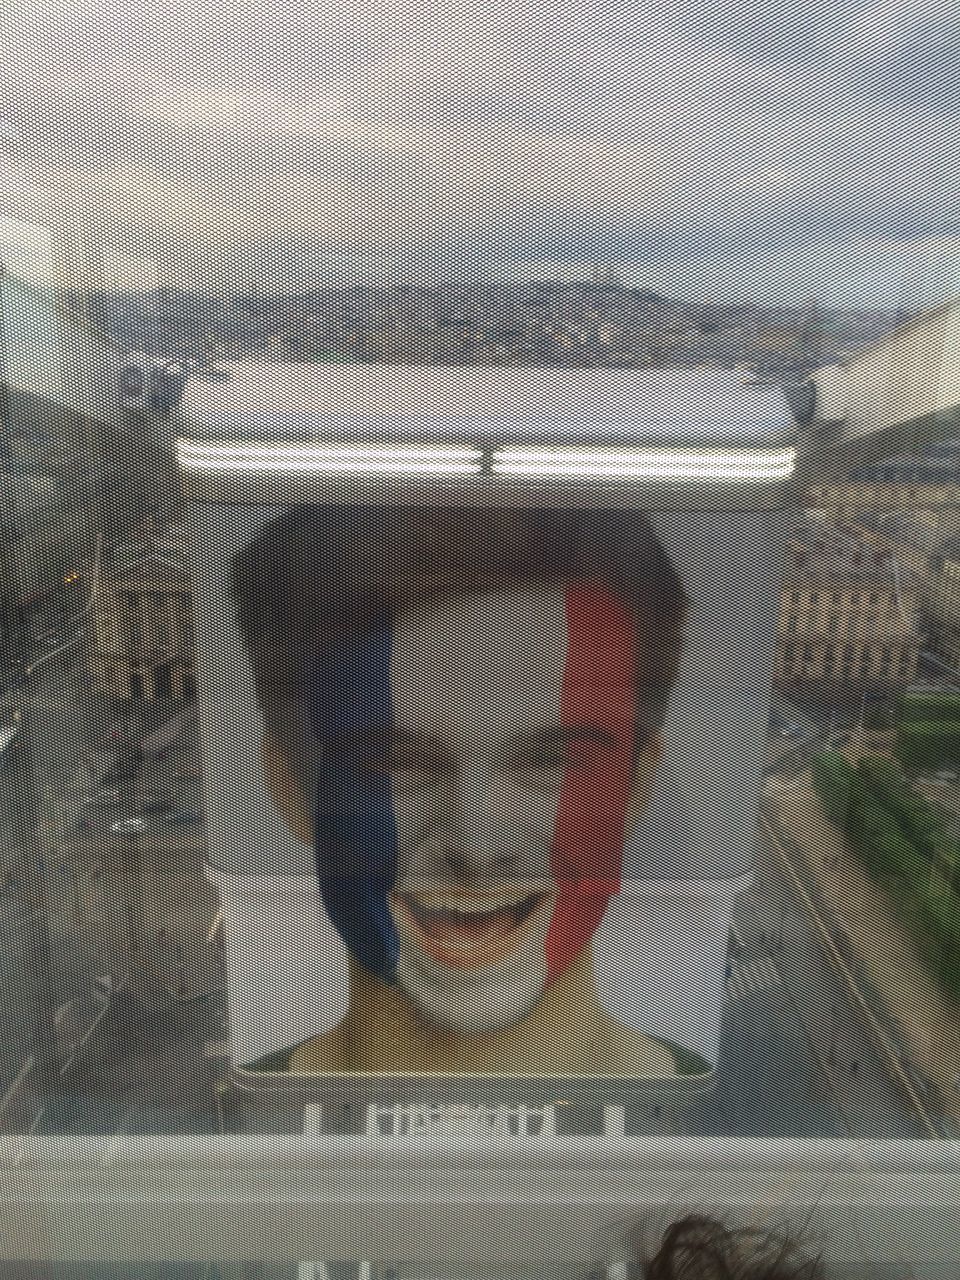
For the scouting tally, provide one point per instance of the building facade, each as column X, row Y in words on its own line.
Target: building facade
column 944, row 605
column 143, row 632
column 909, row 508
column 848, row 616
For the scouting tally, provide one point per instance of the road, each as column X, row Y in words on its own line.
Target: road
column 795, row 1047
column 71, row 902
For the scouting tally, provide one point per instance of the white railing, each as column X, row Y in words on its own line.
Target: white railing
column 452, row 1203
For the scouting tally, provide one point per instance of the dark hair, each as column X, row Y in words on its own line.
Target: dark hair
column 317, row 575
column 699, row 1247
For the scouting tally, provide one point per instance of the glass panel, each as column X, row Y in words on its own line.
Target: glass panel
column 167, row 937
column 119, row 900
column 423, row 761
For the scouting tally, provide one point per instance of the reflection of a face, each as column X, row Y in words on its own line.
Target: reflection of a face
column 506, row 749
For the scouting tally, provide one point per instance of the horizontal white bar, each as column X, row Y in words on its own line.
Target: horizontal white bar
column 199, row 451
column 852, row 1164
column 372, row 457
column 460, row 1201
column 653, row 463
column 253, row 884
column 672, row 464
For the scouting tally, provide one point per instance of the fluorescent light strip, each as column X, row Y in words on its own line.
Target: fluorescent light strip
column 375, row 458
column 663, row 464
column 668, row 464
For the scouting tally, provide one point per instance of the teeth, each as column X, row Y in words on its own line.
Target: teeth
column 467, row 906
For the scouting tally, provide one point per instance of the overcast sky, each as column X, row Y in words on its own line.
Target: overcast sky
column 724, row 151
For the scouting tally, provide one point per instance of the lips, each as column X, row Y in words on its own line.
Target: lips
column 465, row 931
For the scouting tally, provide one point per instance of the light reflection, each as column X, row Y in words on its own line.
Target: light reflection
column 379, row 458
column 673, row 464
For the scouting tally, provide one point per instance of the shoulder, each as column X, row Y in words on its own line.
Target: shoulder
column 635, row 1053
column 279, row 1061
column 316, row 1056
column 686, row 1062
column 617, row 1051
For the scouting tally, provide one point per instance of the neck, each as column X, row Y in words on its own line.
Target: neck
column 386, row 1033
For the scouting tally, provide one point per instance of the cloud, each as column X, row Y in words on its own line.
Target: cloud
column 889, row 22
column 479, row 133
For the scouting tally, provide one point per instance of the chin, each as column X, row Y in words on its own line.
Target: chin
column 494, row 1004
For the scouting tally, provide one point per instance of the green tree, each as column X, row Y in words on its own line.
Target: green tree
column 929, row 707
column 836, row 783
column 928, row 744
column 914, row 814
column 903, row 845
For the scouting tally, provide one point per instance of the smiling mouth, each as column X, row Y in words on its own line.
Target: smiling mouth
column 465, row 933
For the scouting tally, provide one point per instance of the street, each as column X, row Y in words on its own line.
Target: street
column 796, row 1049
column 78, row 901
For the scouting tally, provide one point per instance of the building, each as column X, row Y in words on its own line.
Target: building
column 46, row 479
column 909, row 507
column 944, row 603
column 46, row 533
column 928, row 480
column 848, row 615
column 142, row 643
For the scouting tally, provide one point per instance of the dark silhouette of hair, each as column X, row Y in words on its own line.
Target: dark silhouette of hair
column 318, row 575
column 698, row 1247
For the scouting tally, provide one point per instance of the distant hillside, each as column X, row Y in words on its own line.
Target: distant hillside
column 594, row 322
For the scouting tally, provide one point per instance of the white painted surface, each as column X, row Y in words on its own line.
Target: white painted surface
column 696, row 405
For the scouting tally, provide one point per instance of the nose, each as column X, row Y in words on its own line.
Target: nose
column 466, row 864
column 476, row 839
